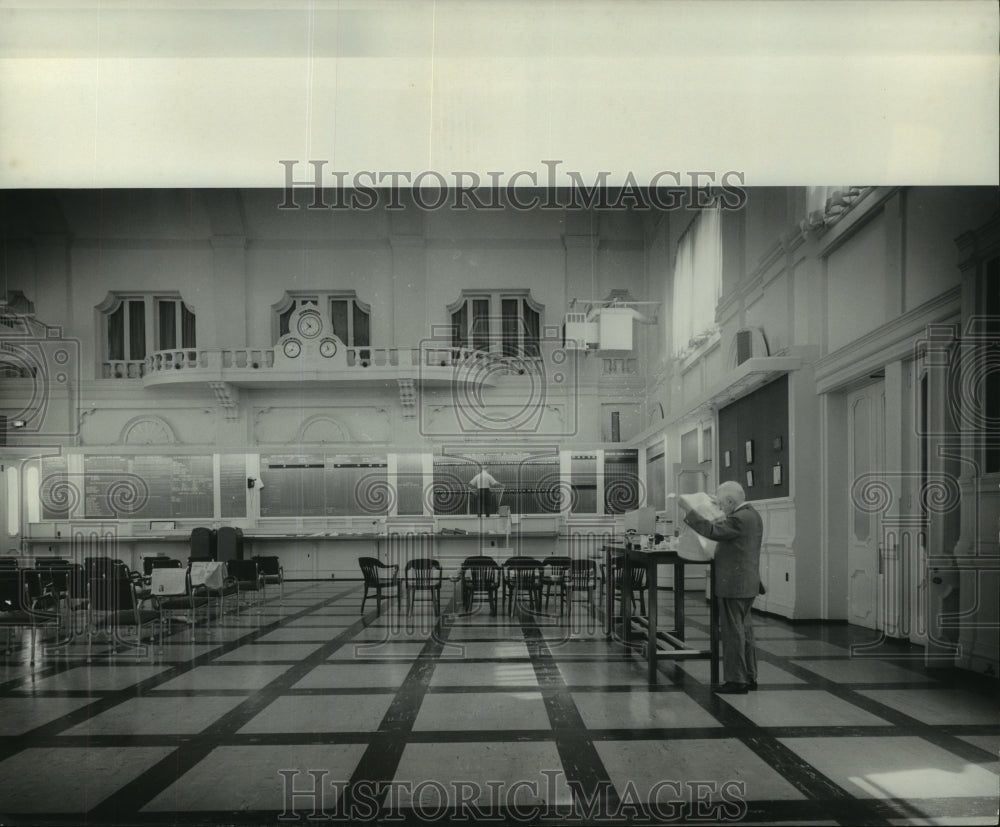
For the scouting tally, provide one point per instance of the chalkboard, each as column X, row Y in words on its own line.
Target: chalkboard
column 233, row 486
column 323, row 486
column 529, row 482
column 148, row 486
column 58, row 497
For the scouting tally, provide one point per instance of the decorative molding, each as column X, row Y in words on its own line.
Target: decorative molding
column 228, row 398
column 321, row 429
column 893, row 340
column 147, row 430
column 408, row 398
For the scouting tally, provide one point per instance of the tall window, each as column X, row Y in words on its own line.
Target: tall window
column 506, row 323
column 350, row 318
column 697, row 281
column 136, row 325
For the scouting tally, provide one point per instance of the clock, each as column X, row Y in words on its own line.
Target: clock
column 328, row 348
column 292, row 348
column 309, row 325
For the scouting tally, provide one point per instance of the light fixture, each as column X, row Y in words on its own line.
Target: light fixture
column 18, row 423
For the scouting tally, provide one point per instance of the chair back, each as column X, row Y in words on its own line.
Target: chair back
column 112, row 594
column 269, row 566
column 70, row 580
column 11, row 590
column 582, row 573
column 481, row 573
column 522, row 570
column 369, row 569
column 229, row 544
column 100, row 566
column 203, row 542
column 159, row 562
column 245, row 571
column 423, row 573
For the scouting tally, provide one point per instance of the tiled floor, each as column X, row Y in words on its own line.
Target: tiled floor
column 306, row 709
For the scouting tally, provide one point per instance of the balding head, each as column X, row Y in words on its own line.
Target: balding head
column 730, row 496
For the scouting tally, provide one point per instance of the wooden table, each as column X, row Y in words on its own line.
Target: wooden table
column 654, row 636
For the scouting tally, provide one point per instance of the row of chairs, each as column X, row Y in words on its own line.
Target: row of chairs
column 114, row 597
column 521, row 579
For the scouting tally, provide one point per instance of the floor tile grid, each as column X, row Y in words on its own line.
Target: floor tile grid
column 799, row 810
column 378, row 765
column 584, row 770
column 947, row 737
column 133, row 795
column 835, row 802
column 142, row 789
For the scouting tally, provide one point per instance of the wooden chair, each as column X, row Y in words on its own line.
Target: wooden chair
column 581, row 576
column 381, row 579
column 553, row 573
column 423, row 575
column 480, row 575
column 638, row 583
column 522, row 576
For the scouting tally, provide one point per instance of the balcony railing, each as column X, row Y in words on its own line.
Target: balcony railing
column 193, row 364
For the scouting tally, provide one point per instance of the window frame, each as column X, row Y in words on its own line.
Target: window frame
column 151, row 301
column 495, row 341
column 323, row 300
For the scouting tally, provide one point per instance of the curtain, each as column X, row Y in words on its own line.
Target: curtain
column 697, row 279
column 187, row 327
column 168, row 324
column 137, row 329
column 116, row 333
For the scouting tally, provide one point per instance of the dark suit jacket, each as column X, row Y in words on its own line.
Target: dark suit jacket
column 737, row 558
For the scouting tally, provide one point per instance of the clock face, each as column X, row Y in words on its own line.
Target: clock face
column 292, row 348
column 309, row 325
column 328, row 348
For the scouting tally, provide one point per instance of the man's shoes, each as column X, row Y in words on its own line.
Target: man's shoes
column 752, row 685
column 730, row 688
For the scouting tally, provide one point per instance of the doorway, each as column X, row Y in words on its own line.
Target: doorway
column 866, row 465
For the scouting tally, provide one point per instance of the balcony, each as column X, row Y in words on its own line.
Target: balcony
column 267, row 367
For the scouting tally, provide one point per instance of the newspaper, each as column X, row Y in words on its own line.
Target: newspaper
column 690, row 544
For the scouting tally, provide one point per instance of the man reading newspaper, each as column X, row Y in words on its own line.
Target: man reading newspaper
column 738, row 533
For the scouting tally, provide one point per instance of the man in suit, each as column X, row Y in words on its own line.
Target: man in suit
column 737, row 580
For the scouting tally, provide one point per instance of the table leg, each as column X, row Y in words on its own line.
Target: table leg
column 626, row 584
column 679, row 598
column 713, row 620
column 609, row 597
column 652, row 614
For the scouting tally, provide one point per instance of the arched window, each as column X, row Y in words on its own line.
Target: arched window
column 350, row 317
column 135, row 325
column 505, row 322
